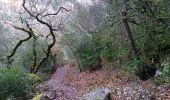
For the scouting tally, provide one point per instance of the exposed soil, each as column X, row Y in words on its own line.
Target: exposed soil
column 58, row 83
column 70, row 84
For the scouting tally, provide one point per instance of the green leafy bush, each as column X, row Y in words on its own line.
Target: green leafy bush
column 16, row 83
column 163, row 75
column 160, row 80
column 166, row 69
column 142, row 69
column 89, row 56
column 130, row 66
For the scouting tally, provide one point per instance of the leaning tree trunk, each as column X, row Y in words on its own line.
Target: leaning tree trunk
column 128, row 30
column 29, row 32
column 130, row 37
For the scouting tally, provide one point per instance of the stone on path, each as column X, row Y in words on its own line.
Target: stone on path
column 98, row 94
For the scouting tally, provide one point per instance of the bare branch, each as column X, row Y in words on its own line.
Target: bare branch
column 21, row 29
column 47, row 36
column 56, row 13
column 51, row 33
column 23, row 5
column 29, row 32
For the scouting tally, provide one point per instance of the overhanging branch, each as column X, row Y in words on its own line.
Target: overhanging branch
column 49, row 47
column 29, row 32
column 56, row 13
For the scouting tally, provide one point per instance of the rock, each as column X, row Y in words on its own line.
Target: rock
column 40, row 96
column 44, row 98
column 51, row 95
column 43, row 88
column 47, row 96
column 98, row 94
column 48, row 92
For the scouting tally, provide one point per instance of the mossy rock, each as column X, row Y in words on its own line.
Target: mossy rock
column 40, row 96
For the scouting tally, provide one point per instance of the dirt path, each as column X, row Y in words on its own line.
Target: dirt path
column 63, row 89
column 69, row 84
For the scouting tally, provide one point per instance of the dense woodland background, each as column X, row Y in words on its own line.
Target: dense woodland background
column 39, row 36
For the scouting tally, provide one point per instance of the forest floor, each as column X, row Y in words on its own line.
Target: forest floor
column 71, row 84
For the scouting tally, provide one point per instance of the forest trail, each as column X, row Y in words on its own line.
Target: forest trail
column 70, row 84
column 58, row 82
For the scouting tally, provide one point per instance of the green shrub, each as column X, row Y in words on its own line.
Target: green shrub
column 90, row 58
column 16, row 83
column 142, row 69
column 166, row 68
column 130, row 66
column 160, row 80
column 163, row 74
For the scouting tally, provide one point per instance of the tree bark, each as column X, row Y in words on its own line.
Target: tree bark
column 130, row 37
column 29, row 32
column 128, row 30
column 50, row 46
column 34, row 53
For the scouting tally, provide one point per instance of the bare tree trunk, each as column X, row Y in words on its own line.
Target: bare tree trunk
column 128, row 30
column 130, row 37
column 39, row 18
column 34, row 53
column 50, row 46
column 53, row 63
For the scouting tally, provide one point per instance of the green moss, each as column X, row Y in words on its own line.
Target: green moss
column 38, row 96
